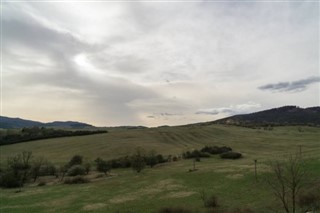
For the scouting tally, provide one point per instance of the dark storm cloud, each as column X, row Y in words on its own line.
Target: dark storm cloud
column 294, row 86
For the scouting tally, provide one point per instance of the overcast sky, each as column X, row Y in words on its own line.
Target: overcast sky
column 157, row 63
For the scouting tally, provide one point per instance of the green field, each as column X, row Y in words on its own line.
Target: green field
column 170, row 184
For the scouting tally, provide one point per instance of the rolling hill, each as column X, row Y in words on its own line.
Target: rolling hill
column 286, row 115
column 16, row 123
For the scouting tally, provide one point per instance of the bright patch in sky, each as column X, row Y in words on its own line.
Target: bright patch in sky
column 83, row 64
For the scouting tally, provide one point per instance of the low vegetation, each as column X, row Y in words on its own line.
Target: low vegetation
column 231, row 155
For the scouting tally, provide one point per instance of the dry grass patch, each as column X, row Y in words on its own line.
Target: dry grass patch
column 235, row 176
column 166, row 185
column 94, row 206
column 179, row 194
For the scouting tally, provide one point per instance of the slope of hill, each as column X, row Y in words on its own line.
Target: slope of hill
column 8, row 123
column 287, row 115
column 12, row 123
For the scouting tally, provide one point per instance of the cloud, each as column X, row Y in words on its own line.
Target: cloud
column 231, row 110
column 113, row 63
column 164, row 114
column 294, row 86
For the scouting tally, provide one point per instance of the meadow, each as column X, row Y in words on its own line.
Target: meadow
column 169, row 184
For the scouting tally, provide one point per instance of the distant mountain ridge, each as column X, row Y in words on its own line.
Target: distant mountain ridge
column 286, row 115
column 12, row 123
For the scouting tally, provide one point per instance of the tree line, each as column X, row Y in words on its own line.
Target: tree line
column 37, row 133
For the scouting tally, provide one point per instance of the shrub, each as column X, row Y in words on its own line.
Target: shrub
column 42, row 183
column 123, row 162
column 138, row 160
column 48, row 169
column 161, row 159
column 174, row 210
column 208, row 201
column 9, row 179
column 76, row 180
column 87, row 167
column 309, row 200
column 17, row 172
column 75, row 160
column 151, row 159
column 231, row 155
column 211, row 202
column 76, row 170
column 195, row 154
column 216, row 150
column 102, row 165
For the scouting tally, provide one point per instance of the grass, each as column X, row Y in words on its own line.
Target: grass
column 232, row 181
column 174, row 140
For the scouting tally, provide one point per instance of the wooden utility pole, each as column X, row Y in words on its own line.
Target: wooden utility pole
column 255, row 169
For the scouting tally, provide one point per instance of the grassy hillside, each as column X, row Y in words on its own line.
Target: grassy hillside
column 232, row 181
column 253, row 143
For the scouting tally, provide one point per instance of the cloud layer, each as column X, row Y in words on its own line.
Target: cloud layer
column 144, row 63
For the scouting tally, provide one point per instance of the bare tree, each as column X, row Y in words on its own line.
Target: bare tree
column 36, row 166
column 287, row 179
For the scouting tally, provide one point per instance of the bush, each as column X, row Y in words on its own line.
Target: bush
column 48, row 170
column 42, row 183
column 76, row 170
column 309, row 200
column 87, row 167
column 76, row 180
column 195, row 154
column 161, row 159
column 211, row 202
column 9, row 179
column 231, row 155
column 123, row 162
column 208, row 201
column 102, row 165
column 216, row 150
column 174, row 210
column 138, row 160
column 75, row 160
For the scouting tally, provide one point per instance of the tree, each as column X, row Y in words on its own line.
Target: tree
column 103, row 166
column 287, row 180
column 138, row 160
column 63, row 170
column 75, row 160
column 17, row 170
column 151, row 159
column 87, row 167
column 36, row 166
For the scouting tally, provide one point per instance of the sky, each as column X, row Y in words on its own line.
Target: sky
column 156, row 63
